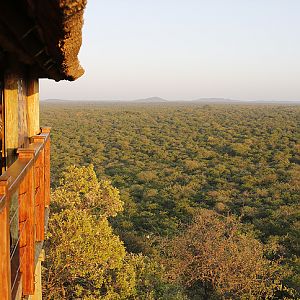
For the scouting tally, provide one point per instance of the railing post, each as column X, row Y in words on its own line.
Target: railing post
column 39, row 184
column 5, row 271
column 27, row 217
column 47, row 167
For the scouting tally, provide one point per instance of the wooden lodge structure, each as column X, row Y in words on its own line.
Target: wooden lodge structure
column 38, row 39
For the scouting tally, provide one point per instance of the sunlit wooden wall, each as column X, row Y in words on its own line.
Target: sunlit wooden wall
column 21, row 112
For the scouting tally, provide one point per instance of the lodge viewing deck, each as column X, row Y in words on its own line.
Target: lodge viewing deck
column 38, row 39
column 24, row 209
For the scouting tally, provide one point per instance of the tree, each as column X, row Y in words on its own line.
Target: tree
column 214, row 258
column 85, row 259
column 80, row 189
column 82, row 251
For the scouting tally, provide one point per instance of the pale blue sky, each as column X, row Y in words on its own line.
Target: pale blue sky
column 187, row 49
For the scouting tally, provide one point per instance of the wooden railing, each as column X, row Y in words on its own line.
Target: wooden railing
column 24, row 198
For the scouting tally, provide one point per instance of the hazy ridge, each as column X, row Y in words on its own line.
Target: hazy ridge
column 155, row 100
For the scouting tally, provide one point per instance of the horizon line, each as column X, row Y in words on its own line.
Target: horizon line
column 157, row 99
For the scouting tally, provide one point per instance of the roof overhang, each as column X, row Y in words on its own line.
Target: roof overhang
column 45, row 35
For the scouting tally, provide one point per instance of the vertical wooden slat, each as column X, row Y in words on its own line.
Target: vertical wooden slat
column 39, row 181
column 27, row 225
column 5, row 273
column 47, row 167
column 47, row 173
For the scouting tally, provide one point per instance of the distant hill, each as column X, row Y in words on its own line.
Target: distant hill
column 151, row 100
column 215, row 100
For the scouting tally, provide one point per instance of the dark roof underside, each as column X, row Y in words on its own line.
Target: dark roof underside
column 44, row 34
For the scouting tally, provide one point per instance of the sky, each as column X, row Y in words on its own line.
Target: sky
column 187, row 49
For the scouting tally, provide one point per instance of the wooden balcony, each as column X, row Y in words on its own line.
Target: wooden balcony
column 24, row 209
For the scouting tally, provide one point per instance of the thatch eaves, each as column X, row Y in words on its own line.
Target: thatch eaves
column 45, row 35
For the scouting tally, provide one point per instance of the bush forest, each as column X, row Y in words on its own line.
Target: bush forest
column 173, row 201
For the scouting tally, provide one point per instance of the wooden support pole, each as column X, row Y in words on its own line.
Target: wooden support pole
column 5, row 271
column 33, row 109
column 27, row 225
column 11, row 112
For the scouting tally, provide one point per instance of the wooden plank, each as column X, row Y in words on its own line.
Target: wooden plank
column 44, row 137
column 46, row 130
column 33, row 107
column 27, row 232
column 40, row 196
column 47, row 173
column 46, row 133
column 5, row 278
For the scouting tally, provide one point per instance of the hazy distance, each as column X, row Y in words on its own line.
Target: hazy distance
column 182, row 50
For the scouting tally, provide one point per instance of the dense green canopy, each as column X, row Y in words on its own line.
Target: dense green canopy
column 169, row 160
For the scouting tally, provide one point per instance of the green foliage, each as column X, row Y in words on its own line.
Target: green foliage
column 79, row 188
column 81, row 252
column 168, row 160
column 85, row 259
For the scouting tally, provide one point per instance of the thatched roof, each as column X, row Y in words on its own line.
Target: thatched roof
column 44, row 34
